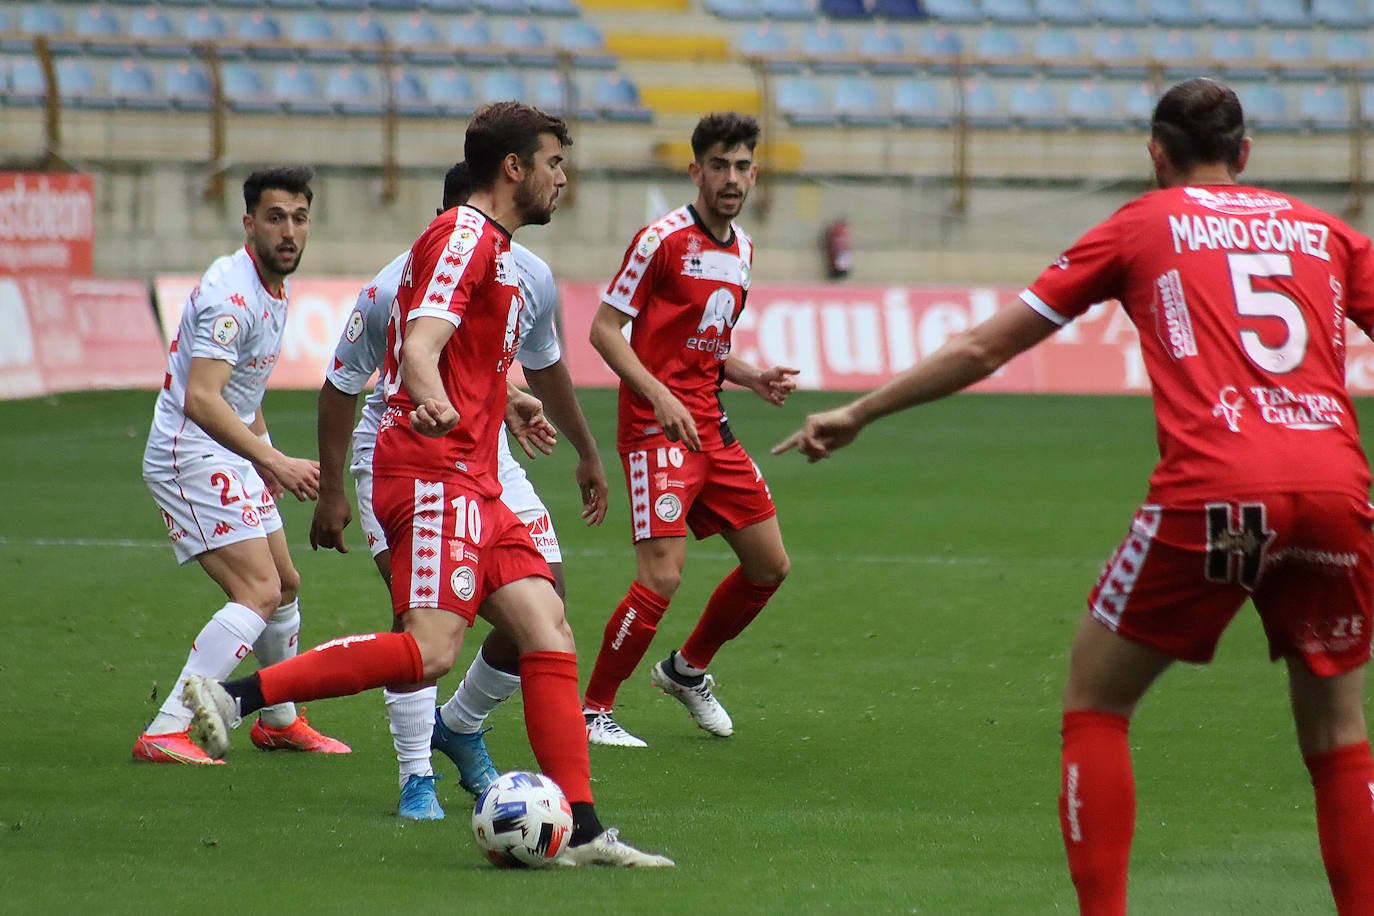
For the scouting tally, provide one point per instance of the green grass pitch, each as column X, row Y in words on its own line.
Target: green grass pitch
column 896, row 706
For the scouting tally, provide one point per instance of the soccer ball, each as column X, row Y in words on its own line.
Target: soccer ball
column 522, row 820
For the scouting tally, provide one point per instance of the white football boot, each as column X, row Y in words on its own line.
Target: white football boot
column 609, row 849
column 698, row 699
column 214, row 713
column 602, row 729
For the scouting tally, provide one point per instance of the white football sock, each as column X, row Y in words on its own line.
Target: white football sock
column 224, row 640
column 278, row 642
column 483, row 689
column 681, row 667
column 412, row 726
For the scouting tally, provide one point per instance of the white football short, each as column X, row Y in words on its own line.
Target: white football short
column 516, row 492
column 214, row 501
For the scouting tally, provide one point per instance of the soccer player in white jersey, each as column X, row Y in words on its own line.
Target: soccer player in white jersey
column 214, row 474
column 416, row 724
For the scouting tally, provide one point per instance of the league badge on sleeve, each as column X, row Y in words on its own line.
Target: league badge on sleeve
column 355, row 326
column 462, row 241
column 226, row 328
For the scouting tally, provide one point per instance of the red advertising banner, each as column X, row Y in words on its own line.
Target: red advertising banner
column 47, row 223
column 76, row 334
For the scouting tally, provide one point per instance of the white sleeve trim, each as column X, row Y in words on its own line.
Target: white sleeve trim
column 429, row 312
column 1042, row 307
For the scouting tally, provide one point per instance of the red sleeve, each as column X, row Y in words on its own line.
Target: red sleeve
column 634, row 282
column 1359, row 283
column 452, row 266
column 1089, row 272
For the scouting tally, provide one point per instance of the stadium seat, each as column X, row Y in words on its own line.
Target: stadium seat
column 788, row 10
column 203, row 25
column 586, row 44
column 291, row 4
column 999, row 52
column 1034, row 105
column 243, row 4
column 187, row 86
column 366, row 33
column 1296, row 53
column 566, row 9
column 921, row 102
column 769, row 41
column 527, row 43
column 898, row 10
column 844, row 9
column 449, row 7
column 243, row 89
column 1349, row 50
column 408, row 94
column 42, row 19
column 1089, row 105
column 883, row 50
column 1324, row 108
column 451, row 92
column 1117, row 52
column 471, row 37
column 858, row 102
column 616, row 98
column 1367, row 103
column 561, row 96
column 1177, row 51
column 803, row 103
column 1227, row 14
column 298, row 90
column 351, row 92
column 77, row 85
column 982, row 104
column 826, row 49
column 262, row 36
column 1173, row 14
column 132, row 85
column 345, row 6
column 315, row 31
column 502, row 7
column 1286, row 14
column 1057, row 53
column 1237, row 55
column 1341, row 14
column 102, row 33
column 1064, row 12
column 953, row 12
column 152, row 30
column 27, row 84
column 1266, row 108
column 1125, row 13
column 1010, row 12
column 939, row 46
column 418, row 40
column 1139, row 104
column 733, row 9
column 500, row 86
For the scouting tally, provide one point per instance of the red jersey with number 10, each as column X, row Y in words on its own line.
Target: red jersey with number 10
column 685, row 290
column 462, row 271
column 1241, row 297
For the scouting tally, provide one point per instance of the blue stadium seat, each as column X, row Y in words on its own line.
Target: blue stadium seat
column 1058, row 54
column 418, row 39
column 203, row 25
column 587, row 45
column 1119, row 55
column 1228, row 14
column 1000, row 53
column 858, row 102
column 262, row 36
column 1089, row 105
column 844, row 9
column 769, row 40
column 788, row 10
column 351, row 92
column 883, row 50
column 102, row 33
column 1033, row 104
column 152, row 30
column 564, row 97
column 1237, row 54
column 1341, row 14
column 1286, row 14
column 566, row 9
column 1139, row 104
column 315, row 31
column 502, row 7
column 291, row 4
column 1296, row 53
column 921, row 102
column 366, row 33
column 187, row 86
column 939, row 46
column 345, row 6
column 733, row 9
column 1266, row 108
column 1010, row 12
column 826, row 49
column 451, row 92
column 243, row 4
column 898, row 9
column 132, row 85
column 1177, row 50
column 409, row 95
column 28, row 85
column 243, row 89
column 617, row 99
column 1127, row 13
column 1064, row 12
column 1367, row 103
column 527, row 43
column 1324, row 108
column 297, row 90
column 77, row 85
column 803, row 103
column 983, row 105
column 449, row 7
column 954, row 12
column 42, row 19
column 471, row 37
column 1349, row 50
column 1178, row 14
column 500, row 86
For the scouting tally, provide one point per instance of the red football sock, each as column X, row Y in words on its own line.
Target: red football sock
column 553, row 720
column 627, row 637
column 733, row 606
column 343, row 667
column 1344, row 782
column 1097, row 809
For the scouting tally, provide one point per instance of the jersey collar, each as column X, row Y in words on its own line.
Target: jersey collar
column 696, row 218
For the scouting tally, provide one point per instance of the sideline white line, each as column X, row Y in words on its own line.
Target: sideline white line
column 598, row 553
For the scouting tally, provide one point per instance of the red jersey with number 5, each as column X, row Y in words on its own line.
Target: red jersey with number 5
column 685, row 290
column 1241, row 297
column 461, row 270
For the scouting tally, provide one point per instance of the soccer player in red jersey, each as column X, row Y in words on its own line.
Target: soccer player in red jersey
column 456, row 549
column 1241, row 297
column 683, row 284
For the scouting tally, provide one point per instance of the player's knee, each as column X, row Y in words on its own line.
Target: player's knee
column 662, row 582
column 770, row 573
column 437, row 656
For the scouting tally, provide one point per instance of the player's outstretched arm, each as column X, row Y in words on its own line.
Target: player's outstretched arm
column 553, row 385
column 607, row 339
column 335, row 414
column 773, row 384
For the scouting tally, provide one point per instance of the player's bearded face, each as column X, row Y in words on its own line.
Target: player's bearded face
column 726, row 178
column 277, row 230
column 536, row 196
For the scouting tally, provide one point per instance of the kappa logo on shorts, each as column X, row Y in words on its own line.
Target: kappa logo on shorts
column 464, row 582
column 668, row 507
column 222, row 529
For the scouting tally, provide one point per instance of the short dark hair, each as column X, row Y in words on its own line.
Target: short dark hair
column 728, row 128
column 502, row 128
column 457, row 186
column 1199, row 121
column 294, row 179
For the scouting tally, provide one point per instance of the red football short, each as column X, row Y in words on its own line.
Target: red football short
column 450, row 548
column 1306, row 561
column 672, row 488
